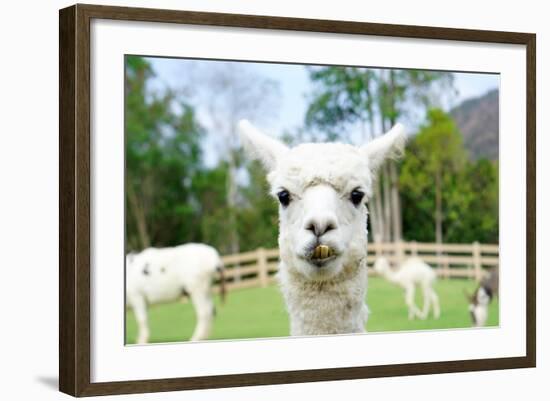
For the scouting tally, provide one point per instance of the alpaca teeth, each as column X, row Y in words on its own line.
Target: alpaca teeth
column 322, row 252
column 316, row 253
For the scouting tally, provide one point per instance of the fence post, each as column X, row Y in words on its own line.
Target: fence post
column 414, row 248
column 262, row 267
column 399, row 252
column 439, row 254
column 446, row 266
column 377, row 248
column 476, row 253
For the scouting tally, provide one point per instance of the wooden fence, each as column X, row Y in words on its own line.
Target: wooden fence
column 257, row 268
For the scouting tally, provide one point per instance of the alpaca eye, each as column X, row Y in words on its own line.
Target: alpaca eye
column 356, row 197
column 284, row 197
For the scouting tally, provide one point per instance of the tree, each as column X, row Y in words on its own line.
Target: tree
column 400, row 91
column 163, row 157
column 432, row 172
column 343, row 98
column 447, row 197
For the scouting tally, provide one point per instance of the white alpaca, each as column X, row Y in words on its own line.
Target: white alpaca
column 322, row 189
column 158, row 275
column 412, row 273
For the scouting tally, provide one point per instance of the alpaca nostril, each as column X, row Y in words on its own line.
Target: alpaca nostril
column 311, row 227
column 320, row 228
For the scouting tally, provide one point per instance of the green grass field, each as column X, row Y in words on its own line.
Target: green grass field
column 260, row 312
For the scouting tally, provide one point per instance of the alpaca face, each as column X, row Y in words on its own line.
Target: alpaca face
column 479, row 306
column 321, row 215
column 322, row 190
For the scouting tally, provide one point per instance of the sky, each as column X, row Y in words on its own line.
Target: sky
column 293, row 86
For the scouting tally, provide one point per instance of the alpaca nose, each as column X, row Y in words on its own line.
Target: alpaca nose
column 320, row 225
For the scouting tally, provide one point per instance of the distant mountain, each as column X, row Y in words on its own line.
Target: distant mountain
column 477, row 120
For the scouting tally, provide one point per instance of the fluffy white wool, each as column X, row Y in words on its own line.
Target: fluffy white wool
column 412, row 273
column 338, row 165
column 327, row 298
column 158, row 275
column 334, row 306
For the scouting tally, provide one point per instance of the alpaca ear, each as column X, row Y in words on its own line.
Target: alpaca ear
column 389, row 145
column 260, row 146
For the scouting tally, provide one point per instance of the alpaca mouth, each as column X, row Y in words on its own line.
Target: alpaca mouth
column 322, row 254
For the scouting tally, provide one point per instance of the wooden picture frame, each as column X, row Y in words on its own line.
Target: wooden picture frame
column 75, row 201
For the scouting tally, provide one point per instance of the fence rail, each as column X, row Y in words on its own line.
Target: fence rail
column 257, row 268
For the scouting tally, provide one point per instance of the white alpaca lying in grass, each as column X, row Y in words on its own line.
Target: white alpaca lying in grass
column 158, row 275
column 412, row 273
column 322, row 189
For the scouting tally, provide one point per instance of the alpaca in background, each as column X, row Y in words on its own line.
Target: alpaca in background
column 412, row 273
column 480, row 300
column 322, row 189
column 158, row 275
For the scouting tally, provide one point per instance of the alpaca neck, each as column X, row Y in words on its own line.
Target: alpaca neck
column 326, row 307
column 390, row 275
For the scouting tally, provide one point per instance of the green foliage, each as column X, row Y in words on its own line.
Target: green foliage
column 469, row 189
column 349, row 95
column 212, row 222
column 169, row 191
column 480, row 222
column 258, row 219
column 163, row 156
column 343, row 97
